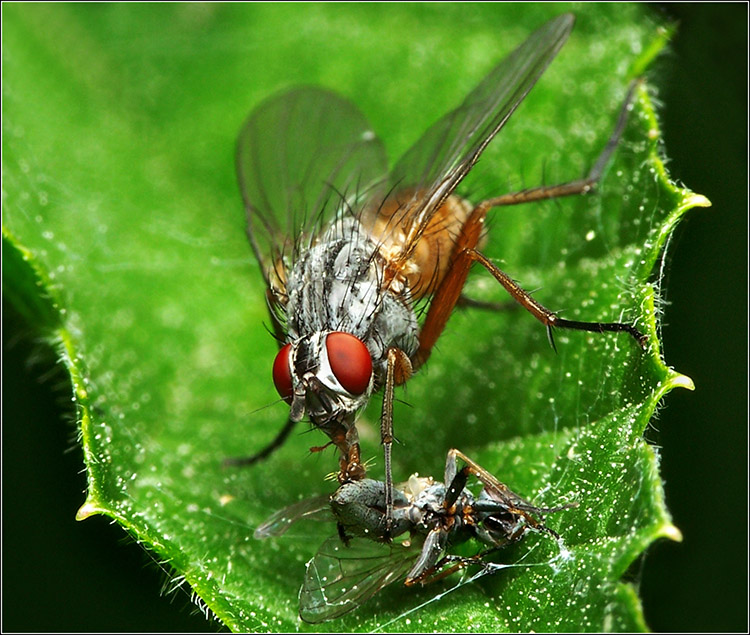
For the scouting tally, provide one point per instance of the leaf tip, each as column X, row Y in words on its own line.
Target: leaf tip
column 681, row 381
column 88, row 509
column 696, row 200
column 671, row 532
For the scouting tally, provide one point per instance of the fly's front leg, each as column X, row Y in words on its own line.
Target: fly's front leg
column 398, row 370
column 265, row 452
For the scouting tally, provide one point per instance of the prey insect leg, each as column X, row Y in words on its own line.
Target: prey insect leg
column 501, row 494
column 498, row 491
column 465, row 254
column 437, row 573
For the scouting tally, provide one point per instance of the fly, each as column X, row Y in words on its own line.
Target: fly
column 431, row 517
column 351, row 253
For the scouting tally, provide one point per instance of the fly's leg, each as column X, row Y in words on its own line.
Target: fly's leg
column 465, row 302
column 544, row 315
column 274, row 303
column 350, row 465
column 465, row 254
column 579, row 186
column 398, row 370
column 265, row 452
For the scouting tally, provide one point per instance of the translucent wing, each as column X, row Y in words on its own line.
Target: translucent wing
column 316, row 508
column 430, row 171
column 340, row 578
column 298, row 155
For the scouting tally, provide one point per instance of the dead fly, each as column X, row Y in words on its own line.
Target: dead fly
column 352, row 253
column 431, row 517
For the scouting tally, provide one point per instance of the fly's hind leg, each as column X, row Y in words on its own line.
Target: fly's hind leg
column 448, row 294
column 465, row 302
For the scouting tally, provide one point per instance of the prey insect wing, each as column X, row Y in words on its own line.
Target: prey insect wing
column 432, row 518
column 315, row 508
column 340, row 578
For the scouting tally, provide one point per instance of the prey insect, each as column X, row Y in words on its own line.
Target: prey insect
column 364, row 266
column 431, row 517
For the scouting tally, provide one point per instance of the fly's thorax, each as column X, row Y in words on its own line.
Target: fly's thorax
column 336, row 285
column 333, row 286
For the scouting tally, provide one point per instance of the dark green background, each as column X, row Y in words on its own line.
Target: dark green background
column 88, row 577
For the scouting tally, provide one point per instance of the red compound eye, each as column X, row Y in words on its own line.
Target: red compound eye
column 350, row 361
column 282, row 374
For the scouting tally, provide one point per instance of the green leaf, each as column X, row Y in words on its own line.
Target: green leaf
column 124, row 242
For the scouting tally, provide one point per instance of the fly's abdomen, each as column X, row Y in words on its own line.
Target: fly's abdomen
column 417, row 251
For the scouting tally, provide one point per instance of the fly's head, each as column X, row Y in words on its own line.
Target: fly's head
column 326, row 376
